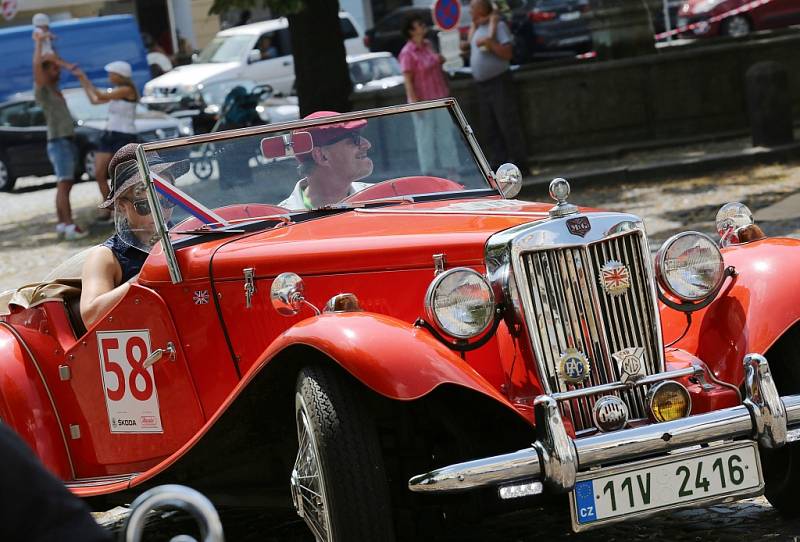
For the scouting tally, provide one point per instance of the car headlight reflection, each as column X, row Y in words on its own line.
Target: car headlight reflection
column 460, row 303
column 690, row 266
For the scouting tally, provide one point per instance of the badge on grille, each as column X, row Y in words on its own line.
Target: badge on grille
column 610, row 413
column 579, row 226
column 573, row 366
column 615, row 278
column 631, row 364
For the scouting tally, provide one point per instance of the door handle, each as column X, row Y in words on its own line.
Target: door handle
column 287, row 62
column 157, row 354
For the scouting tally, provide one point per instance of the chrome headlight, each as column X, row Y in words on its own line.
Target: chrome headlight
column 690, row 266
column 460, row 302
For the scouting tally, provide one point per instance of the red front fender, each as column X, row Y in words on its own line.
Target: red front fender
column 389, row 356
column 27, row 407
column 750, row 314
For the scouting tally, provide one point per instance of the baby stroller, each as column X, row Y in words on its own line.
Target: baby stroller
column 238, row 111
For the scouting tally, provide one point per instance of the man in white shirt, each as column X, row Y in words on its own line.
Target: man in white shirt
column 331, row 168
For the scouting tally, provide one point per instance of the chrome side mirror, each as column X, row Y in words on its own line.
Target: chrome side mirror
column 177, row 497
column 287, row 296
column 509, row 180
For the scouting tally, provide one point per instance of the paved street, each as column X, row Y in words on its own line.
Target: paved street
column 29, row 249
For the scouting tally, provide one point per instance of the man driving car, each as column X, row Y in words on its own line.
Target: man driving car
column 331, row 168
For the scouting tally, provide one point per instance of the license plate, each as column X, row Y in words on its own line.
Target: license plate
column 646, row 487
column 570, row 15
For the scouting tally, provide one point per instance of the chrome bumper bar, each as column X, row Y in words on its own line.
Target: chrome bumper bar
column 555, row 458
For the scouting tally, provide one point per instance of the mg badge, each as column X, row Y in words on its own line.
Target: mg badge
column 610, row 413
column 573, row 366
column 631, row 364
column 615, row 278
column 579, row 226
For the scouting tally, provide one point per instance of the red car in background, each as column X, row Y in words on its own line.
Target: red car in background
column 736, row 17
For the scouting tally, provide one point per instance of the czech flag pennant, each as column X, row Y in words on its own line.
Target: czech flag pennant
column 190, row 205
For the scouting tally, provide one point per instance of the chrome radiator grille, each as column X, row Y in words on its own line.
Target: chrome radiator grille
column 572, row 310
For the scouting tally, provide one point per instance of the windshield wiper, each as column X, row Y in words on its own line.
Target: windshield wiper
column 204, row 231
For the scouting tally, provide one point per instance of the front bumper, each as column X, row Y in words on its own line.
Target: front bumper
column 555, row 458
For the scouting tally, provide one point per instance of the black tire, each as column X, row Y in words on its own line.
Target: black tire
column 356, row 503
column 87, row 164
column 737, row 26
column 7, row 178
column 202, row 168
column 782, row 466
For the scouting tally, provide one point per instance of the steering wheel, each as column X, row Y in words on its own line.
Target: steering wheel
column 237, row 211
column 404, row 186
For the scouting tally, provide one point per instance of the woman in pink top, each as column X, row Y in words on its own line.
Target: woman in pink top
column 424, row 80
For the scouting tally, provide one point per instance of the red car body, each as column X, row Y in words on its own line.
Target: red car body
column 225, row 364
column 736, row 17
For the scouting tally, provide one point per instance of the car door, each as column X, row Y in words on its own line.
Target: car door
column 278, row 70
column 129, row 415
column 23, row 133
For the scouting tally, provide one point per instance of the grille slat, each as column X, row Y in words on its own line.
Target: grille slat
column 572, row 310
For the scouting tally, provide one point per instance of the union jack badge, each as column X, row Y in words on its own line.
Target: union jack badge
column 631, row 364
column 573, row 366
column 200, row 297
column 615, row 278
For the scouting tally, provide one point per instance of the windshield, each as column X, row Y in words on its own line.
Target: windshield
column 226, row 49
column 395, row 158
column 363, row 71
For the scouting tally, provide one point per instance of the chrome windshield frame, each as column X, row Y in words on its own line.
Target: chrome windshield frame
column 141, row 153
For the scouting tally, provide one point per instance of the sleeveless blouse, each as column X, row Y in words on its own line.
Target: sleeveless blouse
column 130, row 259
column 121, row 116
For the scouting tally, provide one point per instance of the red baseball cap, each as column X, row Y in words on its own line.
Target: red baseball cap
column 329, row 133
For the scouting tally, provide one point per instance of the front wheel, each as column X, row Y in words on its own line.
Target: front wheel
column 88, row 164
column 338, row 482
column 736, row 26
column 7, row 178
column 782, row 466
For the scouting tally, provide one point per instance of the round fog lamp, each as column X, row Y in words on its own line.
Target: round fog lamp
column 668, row 401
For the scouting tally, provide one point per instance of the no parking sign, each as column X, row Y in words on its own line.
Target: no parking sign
column 446, row 14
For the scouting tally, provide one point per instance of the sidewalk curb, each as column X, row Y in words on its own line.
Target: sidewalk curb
column 674, row 169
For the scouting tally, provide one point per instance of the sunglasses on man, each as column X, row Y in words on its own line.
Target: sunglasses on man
column 354, row 137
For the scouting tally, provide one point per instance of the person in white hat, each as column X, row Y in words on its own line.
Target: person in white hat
column 120, row 130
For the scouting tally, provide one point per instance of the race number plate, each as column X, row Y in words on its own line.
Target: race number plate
column 646, row 487
column 129, row 388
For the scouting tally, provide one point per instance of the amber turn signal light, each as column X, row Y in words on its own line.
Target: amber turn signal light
column 668, row 401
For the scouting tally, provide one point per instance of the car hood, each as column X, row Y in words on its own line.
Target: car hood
column 192, row 74
column 383, row 239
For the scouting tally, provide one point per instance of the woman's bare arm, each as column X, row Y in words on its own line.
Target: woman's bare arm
column 99, row 293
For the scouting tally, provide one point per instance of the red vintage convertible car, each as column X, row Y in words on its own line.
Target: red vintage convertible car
column 428, row 343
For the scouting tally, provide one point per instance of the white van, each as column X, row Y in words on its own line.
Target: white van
column 241, row 53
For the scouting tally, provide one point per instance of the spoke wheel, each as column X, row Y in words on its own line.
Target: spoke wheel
column 338, row 483
column 737, row 26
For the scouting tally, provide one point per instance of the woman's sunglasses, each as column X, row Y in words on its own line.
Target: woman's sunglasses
column 142, row 206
